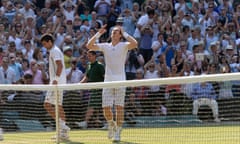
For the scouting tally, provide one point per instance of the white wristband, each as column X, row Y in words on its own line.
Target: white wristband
column 97, row 35
column 56, row 78
column 125, row 35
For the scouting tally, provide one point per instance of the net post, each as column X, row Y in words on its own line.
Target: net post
column 57, row 114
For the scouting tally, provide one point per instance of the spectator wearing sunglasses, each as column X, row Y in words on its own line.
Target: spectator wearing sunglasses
column 74, row 75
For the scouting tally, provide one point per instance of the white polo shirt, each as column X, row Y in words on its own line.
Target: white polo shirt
column 143, row 20
column 56, row 54
column 115, row 57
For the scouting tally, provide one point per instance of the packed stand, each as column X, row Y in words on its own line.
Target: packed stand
column 176, row 38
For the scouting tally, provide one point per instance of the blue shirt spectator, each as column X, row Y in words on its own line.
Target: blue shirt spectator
column 203, row 90
column 10, row 12
column 17, row 67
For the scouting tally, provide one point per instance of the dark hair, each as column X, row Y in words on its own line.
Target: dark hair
column 28, row 76
column 185, row 28
column 202, row 11
column 27, row 61
column 92, row 52
column 160, row 33
column 84, row 20
column 150, row 11
column 47, row 37
column 194, row 47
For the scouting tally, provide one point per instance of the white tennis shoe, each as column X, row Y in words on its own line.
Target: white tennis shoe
column 65, row 127
column 111, row 129
column 217, row 120
column 63, row 137
column 117, row 134
column 64, row 132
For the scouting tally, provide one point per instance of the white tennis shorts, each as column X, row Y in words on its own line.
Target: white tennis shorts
column 113, row 96
column 51, row 97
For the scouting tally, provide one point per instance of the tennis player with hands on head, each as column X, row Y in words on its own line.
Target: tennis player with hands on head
column 57, row 76
column 115, row 53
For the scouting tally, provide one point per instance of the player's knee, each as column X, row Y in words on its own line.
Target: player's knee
column 47, row 106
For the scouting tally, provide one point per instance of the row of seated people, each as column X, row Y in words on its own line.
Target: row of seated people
column 184, row 99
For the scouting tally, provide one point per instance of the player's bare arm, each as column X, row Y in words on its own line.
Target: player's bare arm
column 91, row 43
column 132, row 42
column 59, row 70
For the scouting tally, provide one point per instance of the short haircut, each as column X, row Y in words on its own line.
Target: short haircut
column 194, row 47
column 47, row 37
column 84, row 20
column 150, row 11
column 28, row 76
column 92, row 52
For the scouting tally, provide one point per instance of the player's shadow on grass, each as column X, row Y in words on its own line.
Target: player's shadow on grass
column 124, row 142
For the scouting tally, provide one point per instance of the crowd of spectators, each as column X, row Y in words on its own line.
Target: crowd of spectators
column 176, row 38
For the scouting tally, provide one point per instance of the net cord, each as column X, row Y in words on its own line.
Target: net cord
column 130, row 83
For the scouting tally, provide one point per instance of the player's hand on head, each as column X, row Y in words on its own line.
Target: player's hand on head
column 102, row 30
column 121, row 29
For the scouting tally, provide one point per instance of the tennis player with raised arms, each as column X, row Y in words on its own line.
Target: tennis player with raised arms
column 115, row 53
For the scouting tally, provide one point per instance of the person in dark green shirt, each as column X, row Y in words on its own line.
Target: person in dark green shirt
column 94, row 73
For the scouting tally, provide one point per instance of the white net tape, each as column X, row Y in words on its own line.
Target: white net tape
column 115, row 84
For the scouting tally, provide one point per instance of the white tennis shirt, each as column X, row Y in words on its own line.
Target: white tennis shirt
column 115, row 57
column 56, row 54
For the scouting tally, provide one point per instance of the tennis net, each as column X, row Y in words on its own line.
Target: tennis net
column 164, row 103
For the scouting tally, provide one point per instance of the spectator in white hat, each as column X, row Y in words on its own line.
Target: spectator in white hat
column 230, row 51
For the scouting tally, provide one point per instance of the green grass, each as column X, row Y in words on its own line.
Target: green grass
column 177, row 135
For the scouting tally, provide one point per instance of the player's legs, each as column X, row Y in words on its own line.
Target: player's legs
column 50, row 109
column 119, row 122
column 107, row 111
column 119, row 106
column 119, row 115
column 49, row 105
column 107, row 103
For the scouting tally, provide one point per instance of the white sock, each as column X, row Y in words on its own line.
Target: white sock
column 111, row 122
column 119, row 127
column 62, row 122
